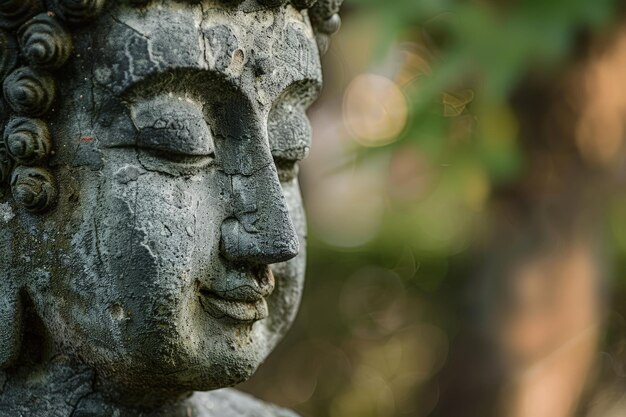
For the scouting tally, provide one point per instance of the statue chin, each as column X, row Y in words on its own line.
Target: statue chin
column 184, row 369
column 153, row 236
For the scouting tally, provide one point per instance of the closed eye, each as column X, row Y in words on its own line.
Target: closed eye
column 172, row 129
column 178, row 157
column 169, row 161
column 176, row 142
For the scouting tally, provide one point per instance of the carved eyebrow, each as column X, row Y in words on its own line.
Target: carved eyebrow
column 302, row 92
column 294, row 80
column 197, row 82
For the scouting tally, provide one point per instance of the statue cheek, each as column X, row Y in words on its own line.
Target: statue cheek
column 155, row 232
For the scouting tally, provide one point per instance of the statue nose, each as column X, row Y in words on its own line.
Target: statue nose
column 260, row 229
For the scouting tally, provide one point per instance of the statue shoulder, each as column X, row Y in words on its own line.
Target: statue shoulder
column 233, row 403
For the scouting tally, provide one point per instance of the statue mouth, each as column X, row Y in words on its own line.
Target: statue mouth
column 237, row 310
column 245, row 303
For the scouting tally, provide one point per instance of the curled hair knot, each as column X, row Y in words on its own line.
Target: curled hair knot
column 44, row 42
column 33, row 188
column 29, row 92
column 27, row 140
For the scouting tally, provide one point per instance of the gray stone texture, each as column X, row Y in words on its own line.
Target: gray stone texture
column 152, row 235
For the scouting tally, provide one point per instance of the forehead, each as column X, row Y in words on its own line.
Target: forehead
column 265, row 49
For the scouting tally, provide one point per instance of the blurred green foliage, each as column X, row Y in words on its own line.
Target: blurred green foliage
column 488, row 47
column 476, row 54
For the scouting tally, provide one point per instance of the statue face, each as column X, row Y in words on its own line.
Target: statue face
column 175, row 255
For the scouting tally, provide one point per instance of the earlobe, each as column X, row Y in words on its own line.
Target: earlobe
column 11, row 313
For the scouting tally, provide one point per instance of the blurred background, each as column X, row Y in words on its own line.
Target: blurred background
column 466, row 194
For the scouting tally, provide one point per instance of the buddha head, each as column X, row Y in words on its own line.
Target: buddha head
column 150, row 213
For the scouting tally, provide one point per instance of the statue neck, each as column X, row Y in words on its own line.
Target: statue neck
column 45, row 382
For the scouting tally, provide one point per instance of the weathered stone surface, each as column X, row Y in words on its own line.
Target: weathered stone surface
column 152, row 233
column 75, row 393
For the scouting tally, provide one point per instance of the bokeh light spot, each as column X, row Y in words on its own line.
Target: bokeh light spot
column 375, row 110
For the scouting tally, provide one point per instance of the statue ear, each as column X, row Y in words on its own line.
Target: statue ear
column 11, row 312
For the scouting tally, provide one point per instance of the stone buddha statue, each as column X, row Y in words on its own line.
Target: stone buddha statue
column 151, row 225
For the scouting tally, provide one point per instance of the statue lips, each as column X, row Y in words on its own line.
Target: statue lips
column 244, row 303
